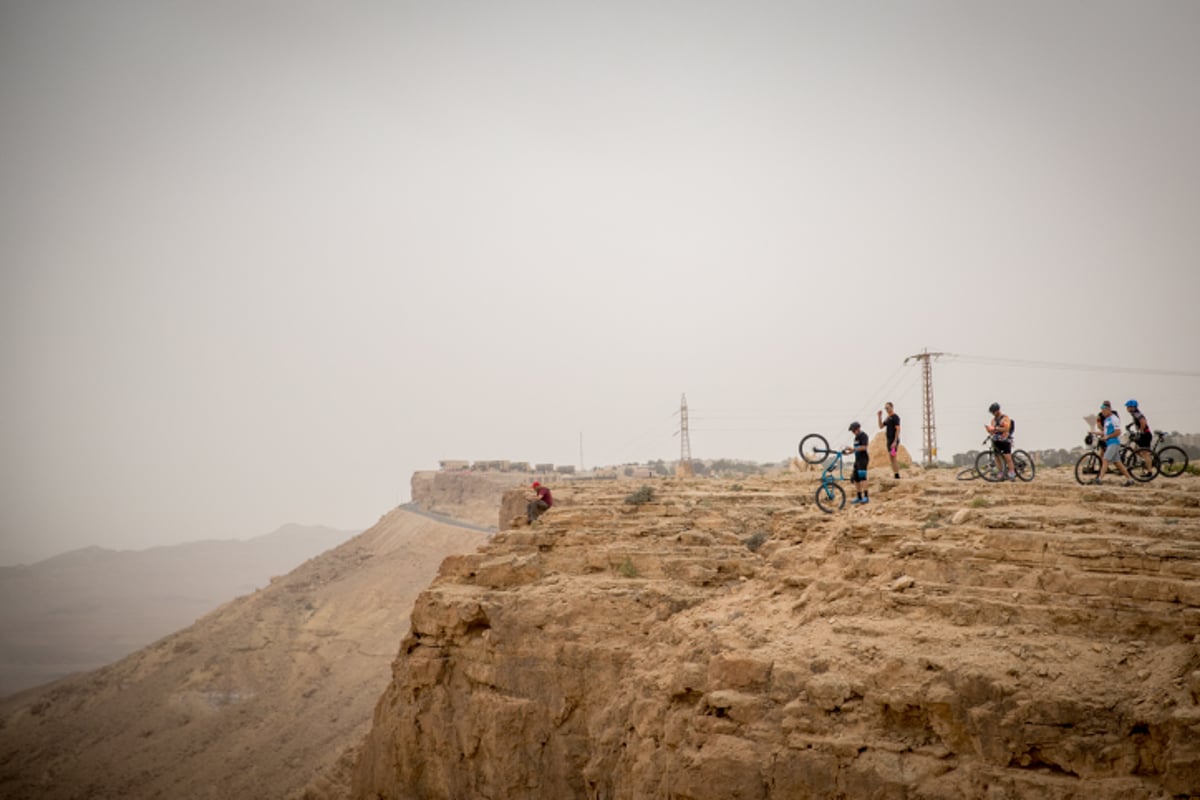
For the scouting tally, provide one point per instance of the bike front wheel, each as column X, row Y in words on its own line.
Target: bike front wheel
column 814, row 448
column 989, row 466
column 1087, row 468
column 1024, row 465
column 968, row 474
column 1172, row 461
column 830, row 497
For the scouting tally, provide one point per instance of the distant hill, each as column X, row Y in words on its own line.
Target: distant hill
column 258, row 699
column 89, row 607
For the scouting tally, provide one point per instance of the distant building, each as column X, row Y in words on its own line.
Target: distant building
column 451, row 465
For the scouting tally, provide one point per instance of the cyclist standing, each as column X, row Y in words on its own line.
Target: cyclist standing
column 1001, row 431
column 892, row 423
column 861, row 460
column 1143, row 437
column 1112, row 445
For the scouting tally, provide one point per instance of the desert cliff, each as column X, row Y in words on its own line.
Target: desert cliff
column 264, row 696
column 950, row 640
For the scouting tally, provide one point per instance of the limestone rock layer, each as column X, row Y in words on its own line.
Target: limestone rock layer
column 729, row 640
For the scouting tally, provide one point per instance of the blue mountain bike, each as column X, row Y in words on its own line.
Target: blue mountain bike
column 814, row 449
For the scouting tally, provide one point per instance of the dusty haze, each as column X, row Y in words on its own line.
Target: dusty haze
column 259, row 262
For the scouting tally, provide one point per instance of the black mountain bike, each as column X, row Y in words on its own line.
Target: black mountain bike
column 1172, row 460
column 1087, row 468
column 990, row 464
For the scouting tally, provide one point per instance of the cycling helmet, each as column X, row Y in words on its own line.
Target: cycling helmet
column 1131, row 403
column 536, row 484
column 994, row 407
column 854, row 426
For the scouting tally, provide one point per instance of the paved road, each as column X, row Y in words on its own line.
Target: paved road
column 412, row 508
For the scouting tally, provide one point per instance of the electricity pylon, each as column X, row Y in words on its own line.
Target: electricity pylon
column 684, row 468
column 930, row 432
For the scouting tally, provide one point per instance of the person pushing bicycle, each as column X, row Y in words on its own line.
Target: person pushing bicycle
column 1112, row 444
column 1000, row 429
column 1142, row 436
column 861, row 460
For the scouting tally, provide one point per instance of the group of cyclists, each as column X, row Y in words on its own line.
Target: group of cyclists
column 1108, row 423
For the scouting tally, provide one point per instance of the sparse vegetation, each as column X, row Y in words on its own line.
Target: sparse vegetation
column 755, row 540
column 642, row 495
column 979, row 502
column 627, row 569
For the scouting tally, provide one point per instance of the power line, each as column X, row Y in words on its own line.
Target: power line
column 1030, row 364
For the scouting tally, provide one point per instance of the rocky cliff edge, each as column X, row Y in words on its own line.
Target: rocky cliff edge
column 949, row 640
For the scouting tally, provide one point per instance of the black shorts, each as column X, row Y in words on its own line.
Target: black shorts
column 1144, row 439
column 1004, row 448
column 860, row 472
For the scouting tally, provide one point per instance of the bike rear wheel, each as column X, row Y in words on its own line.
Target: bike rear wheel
column 814, row 448
column 989, row 466
column 1024, row 465
column 1172, row 461
column 1134, row 462
column 1087, row 468
column 830, row 497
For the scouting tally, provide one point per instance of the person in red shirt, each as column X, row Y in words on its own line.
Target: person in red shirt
column 539, row 504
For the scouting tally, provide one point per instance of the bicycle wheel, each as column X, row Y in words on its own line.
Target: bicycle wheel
column 989, row 467
column 1024, row 464
column 968, row 474
column 1132, row 458
column 814, row 448
column 830, row 497
column 1172, row 461
column 1087, row 468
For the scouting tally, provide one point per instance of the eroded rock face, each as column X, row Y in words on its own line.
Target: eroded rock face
column 724, row 643
column 464, row 495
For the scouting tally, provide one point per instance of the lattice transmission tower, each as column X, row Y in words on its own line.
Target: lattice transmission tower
column 930, row 432
column 684, row 468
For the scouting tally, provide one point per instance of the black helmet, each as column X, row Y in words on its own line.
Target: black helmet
column 994, row 407
column 854, row 426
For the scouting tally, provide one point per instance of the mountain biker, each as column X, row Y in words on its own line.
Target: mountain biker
column 1001, row 432
column 892, row 423
column 861, row 459
column 539, row 504
column 1112, row 445
column 1139, row 429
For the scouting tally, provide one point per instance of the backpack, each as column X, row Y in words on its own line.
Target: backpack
column 1012, row 427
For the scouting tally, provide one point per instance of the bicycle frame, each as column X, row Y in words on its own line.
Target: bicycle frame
column 827, row 476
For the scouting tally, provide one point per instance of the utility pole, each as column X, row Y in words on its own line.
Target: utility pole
column 684, row 468
column 930, row 443
column 581, row 469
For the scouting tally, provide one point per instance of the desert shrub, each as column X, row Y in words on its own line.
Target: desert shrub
column 642, row 495
column 755, row 540
column 627, row 568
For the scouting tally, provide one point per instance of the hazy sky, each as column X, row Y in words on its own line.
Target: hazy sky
column 262, row 260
